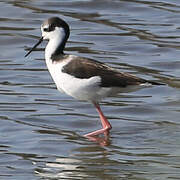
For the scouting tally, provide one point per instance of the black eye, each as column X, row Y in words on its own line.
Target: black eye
column 46, row 29
column 49, row 29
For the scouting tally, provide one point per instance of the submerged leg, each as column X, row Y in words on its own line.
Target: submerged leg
column 105, row 124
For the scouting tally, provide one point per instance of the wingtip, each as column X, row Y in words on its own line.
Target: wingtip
column 156, row 83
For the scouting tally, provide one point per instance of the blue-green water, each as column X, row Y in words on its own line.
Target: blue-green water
column 41, row 129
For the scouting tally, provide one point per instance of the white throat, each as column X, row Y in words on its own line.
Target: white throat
column 56, row 39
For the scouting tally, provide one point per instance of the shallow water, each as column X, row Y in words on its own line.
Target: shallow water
column 41, row 129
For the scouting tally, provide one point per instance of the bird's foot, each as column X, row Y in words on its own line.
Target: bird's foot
column 104, row 131
column 103, row 141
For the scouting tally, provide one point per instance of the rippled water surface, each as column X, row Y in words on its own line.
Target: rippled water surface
column 41, row 129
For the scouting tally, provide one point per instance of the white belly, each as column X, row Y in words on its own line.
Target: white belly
column 82, row 89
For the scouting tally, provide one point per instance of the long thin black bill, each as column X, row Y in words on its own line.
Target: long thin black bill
column 39, row 42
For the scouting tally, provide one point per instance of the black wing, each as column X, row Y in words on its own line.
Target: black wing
column 84, row 68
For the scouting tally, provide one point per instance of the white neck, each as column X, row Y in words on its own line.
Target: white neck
column 55, row 41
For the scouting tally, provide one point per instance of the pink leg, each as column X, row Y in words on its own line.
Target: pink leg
column 105, row 124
